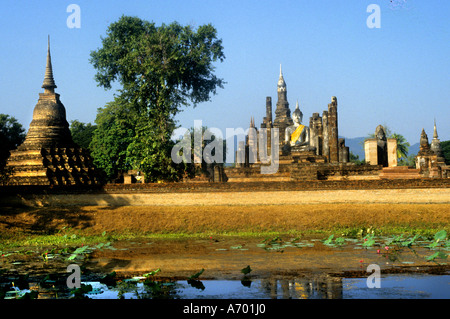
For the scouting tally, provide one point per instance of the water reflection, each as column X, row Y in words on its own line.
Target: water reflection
column 326, row 287
column 321, row 287
column 304, row 288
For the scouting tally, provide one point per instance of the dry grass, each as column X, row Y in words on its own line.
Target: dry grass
column 267, row 218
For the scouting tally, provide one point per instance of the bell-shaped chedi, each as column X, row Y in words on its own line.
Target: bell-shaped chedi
column 48, row 156
column 49, row 127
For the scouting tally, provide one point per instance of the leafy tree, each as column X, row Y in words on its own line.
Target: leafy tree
column 355, row 159
column 445, row 145
column 82, row 133
column 402, row 146
column 114, row 132
column 410, row 160
column 12, row 134
column 160, row 70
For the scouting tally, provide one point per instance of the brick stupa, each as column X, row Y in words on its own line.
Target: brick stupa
column 49, row 156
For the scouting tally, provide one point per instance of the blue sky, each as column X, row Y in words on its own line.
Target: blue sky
column 398, row 74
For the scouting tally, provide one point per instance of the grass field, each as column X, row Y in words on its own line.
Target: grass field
column 422, row 211
column 239, row 220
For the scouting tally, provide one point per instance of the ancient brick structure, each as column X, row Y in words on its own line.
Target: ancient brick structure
column 381, row 150
column 429, row 160
column 48, row 156
column 435, row 146
column 332, row 129
column 316, row 133
column 282, row 113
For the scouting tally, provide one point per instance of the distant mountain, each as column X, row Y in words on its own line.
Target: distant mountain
column 414, row 149
column 356, row 146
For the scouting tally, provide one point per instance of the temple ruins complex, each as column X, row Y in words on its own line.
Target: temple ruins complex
column 318, row 153
column 49, row 156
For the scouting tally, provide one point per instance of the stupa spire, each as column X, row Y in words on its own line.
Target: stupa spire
column 49, row 83
column 435, row 134
column 281, row 83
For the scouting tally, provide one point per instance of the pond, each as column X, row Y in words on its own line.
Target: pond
column 400, row 286
column 281, row 268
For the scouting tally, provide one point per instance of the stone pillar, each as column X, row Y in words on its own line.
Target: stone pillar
column 269, row 110
column 333, row 131
column 240, row 154
column 344, row 151
column 370, row 151
column 325, row 145
column 218, row 174
column 252, row 145
column 345, row 154
column 316, row 132
column 392, row 152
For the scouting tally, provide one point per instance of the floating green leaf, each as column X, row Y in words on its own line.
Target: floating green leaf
column 438, row 254
column 329, row 240
column 152, row 273
column 440, row 235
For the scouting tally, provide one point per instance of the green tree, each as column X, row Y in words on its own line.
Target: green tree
column 82, row 133
column 410, row 160
column 12, row 134
column 114, row 132
column 160, row 70
column 402, row 147
column 445, row 145
column 355, row 159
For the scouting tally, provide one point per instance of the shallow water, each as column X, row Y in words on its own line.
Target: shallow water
column 392, row 287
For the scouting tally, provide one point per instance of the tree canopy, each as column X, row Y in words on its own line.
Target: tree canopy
column 82, row 133
column 114, row 132
column 445, row 145
column 12, row 134
column 161, row 70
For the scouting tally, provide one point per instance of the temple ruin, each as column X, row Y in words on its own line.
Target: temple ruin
column 311, row 153
column 430, row 161
column 49, row 156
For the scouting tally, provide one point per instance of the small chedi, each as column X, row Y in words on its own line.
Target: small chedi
column 430, row 160
column 48, row 156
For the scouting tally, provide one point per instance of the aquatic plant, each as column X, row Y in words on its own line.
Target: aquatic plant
column 86, row 249
column 80, row 293
column 331, row 242
column 278, row 244
column 195, row 282
column 440, row 241
column 246, row 270
column 152, row 273
column 369, row 240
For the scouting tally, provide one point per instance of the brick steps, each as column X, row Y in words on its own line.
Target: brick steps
column 399, row 172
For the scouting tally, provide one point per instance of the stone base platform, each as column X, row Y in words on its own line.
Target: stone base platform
column 52, row 166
